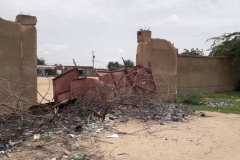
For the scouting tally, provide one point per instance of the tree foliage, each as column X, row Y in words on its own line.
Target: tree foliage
column 128, row 63
column 228, row 45
column 41, row 61
column 194, row 52
column 112, row 66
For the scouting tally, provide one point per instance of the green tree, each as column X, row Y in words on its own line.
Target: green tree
column 194, row 52
column 228, row 45
column 128, row 63
column 41, row 61
column 112, row 66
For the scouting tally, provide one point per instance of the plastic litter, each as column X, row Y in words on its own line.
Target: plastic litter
column 94, row 126
column 76, row 157
column 36, row 137
column 72, row 135
column 113, row 136
column 2, row 146
column 98, row 130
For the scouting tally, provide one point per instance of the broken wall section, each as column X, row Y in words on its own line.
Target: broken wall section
column 180, row 74
column 161, row 56
column 18, row 62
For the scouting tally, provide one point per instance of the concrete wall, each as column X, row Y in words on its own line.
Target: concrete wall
column 161, row 55
column 206, row 74
column 176, row 74
column 18, row 61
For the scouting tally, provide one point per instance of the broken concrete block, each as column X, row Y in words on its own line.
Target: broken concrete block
column 26, row 19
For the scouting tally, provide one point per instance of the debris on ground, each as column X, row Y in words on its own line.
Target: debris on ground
column 219, row 104
column 84, row 108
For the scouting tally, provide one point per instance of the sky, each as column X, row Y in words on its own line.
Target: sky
column 74, row 29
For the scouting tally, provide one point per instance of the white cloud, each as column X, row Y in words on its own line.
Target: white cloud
column 77, row 27
column 114, row 59
column 46, row 52
column 52, row 48
column 121, row 51
column 173, row 18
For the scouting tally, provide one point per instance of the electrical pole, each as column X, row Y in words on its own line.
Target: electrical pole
column 93, row 56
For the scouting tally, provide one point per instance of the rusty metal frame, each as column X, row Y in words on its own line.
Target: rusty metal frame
column 129, row 74
column 127, row 81
column 62, row 85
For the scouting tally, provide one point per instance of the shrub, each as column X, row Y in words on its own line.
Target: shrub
column 193, row 98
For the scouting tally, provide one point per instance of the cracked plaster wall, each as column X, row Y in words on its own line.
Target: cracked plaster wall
column 176, row 74
column 18, row 60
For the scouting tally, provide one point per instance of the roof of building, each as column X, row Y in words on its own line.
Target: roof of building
column 46, row 67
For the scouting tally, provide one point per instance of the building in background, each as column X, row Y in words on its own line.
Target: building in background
column 46, row 70
column 49, row 70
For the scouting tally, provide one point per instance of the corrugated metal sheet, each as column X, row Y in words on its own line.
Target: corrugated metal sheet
column 62, row 85
column 129, row 81
column 80, row 86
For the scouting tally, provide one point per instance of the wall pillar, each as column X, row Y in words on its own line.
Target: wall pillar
column 161, row 55
column 18, row 62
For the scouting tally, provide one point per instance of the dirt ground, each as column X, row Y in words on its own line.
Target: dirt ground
column 214, row 137
column 45, row 88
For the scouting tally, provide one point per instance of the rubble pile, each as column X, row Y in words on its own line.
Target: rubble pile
column 161, row 112
column 86, row 106
column 219, row 104
column 77, row 116
column 82, row 117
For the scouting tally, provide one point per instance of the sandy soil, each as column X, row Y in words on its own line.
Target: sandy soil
column 45, row 89
column 214, row 137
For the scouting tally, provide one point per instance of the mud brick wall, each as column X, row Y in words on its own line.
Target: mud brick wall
column 18, row 61
column 176, row 74
column 205, row 74
column 161, row 56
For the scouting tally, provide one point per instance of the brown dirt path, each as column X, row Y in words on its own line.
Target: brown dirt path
column 45, row 88
column 215, row 137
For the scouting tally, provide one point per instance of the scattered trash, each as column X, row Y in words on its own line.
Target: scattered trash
column 9, row 146
column 72, row 135
column 98, row 130
column 45, row 138
column 78, row 128
column 76, row 157
column 36, row 137
column 105, row 126
column 202, row 114
column 94, row 126
column 111, row 118
column 113, row 136
column 219, row 104
column 64, row 157
column 176, row 118
column 102, row 107
column 175, row 126
column 163, row 123
column 67, row 153
column 2, row 146
column 120, row 154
